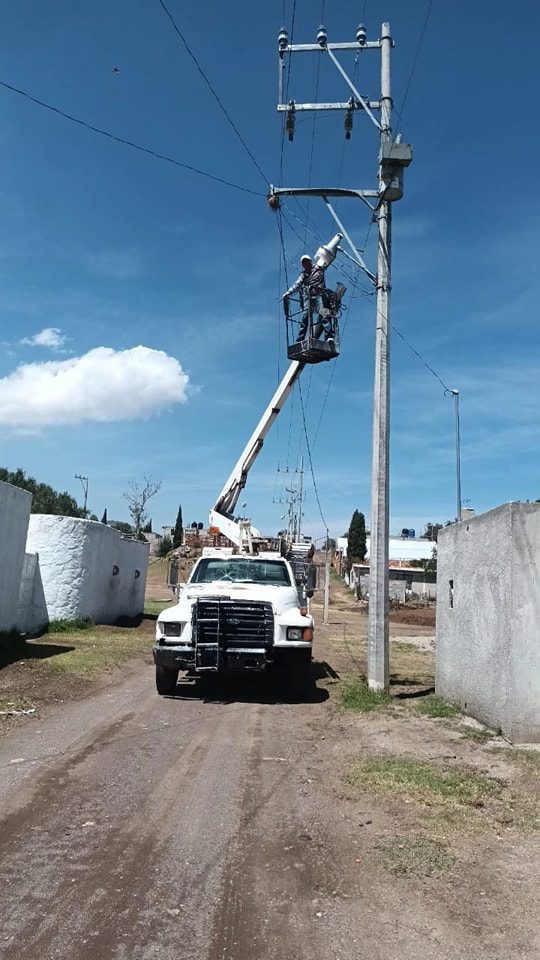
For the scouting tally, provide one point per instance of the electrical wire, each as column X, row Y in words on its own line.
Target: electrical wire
column 415, row 60
column 127, row 143
column 421, row 358
column 210, row 86
column 310, row 459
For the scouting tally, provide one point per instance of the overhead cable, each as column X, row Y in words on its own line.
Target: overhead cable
column 210, row 86
column 128, row 143
column 310, row 459
column 415, row 59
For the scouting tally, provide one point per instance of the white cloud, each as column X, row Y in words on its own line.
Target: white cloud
column 51, row 337
column 103, row 385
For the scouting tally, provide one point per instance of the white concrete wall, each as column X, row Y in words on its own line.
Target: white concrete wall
column 32, row 613
column 88, row 569
column 488, row 641
column 14, row 515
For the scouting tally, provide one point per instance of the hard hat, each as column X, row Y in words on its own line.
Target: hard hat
column 305, row 256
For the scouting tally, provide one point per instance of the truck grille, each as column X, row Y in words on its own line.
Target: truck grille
column 241, row 624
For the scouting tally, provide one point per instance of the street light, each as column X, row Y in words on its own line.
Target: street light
column 455, row 394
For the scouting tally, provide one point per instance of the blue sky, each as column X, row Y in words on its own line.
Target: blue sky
column 115, row 250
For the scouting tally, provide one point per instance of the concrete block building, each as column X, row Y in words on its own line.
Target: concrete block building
column 488, row 618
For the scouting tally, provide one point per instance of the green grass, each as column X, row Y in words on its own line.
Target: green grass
column 434, row 706
column 478, row 734
column 154, row 607
column 422, row 781
column 95, row 651
column 527, row 758
column 69, row 626
column 356, row 695
column 417, row 855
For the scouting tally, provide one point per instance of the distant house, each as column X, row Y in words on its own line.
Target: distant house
column 154, row 539
column 403, row 582
column 400, row 553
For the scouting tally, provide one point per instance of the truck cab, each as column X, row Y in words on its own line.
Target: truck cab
column 237, row 613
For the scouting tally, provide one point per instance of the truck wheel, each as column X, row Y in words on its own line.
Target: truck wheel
column 166, row 680
column 302, row 676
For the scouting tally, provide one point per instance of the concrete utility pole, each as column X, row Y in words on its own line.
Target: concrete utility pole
column 455, row 394
column 378, row 627
column 394, row 156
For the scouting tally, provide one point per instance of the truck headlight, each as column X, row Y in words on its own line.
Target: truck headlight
column 172, row 629
column 294, row 633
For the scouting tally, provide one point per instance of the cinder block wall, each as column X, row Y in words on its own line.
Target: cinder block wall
column 88, row 569
column 14, row 516
column 488, row 618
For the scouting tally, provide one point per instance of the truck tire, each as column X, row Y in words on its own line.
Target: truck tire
column 166, row 680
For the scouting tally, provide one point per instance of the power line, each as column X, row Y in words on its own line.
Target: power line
column 415, row 60
column 127, row 143
column 308, row 448
column 212, row 90
column 420, row 357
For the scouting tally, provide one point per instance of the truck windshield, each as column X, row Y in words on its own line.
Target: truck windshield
column 271, row 572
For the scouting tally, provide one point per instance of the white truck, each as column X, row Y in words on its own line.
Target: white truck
column 235, row 613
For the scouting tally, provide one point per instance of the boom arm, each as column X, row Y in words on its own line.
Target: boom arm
column 221, row 514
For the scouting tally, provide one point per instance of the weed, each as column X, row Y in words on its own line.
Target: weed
column 434, row 706
column 69, row 626
column 416, row 856
column 14, row 702
column 420, row 780
column 356, row 695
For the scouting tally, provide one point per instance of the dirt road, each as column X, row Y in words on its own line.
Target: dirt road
column 216, row 825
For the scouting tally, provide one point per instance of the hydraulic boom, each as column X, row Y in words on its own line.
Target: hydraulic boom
column 240, row 531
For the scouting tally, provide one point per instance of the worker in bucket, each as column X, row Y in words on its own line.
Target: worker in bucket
column 311, row 286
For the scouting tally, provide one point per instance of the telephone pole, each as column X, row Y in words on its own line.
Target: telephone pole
column 394, row 156
column 84, row 483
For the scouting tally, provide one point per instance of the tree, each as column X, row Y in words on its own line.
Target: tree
column 123, row 527
column 178, row 532
column 430, row 566
column 147, row 527
column 165, row 547
column 44, row 498
column 104, row 517
column 137, row 496
column 356, row 541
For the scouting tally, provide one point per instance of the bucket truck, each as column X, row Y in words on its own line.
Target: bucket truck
column 247, row 611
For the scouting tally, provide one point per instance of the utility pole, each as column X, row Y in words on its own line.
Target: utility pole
column 394, row 156
column 84, row 483
column 455, row 394
column 300, row 498
column 378, row 626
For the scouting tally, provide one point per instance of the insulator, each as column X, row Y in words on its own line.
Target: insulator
column 283, row 39
column 348, row 124
column 321, row 36
column 290, row 120
column 361, row 34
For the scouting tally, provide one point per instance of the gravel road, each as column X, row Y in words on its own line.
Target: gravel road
column 143, row 827
column 215, row 826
